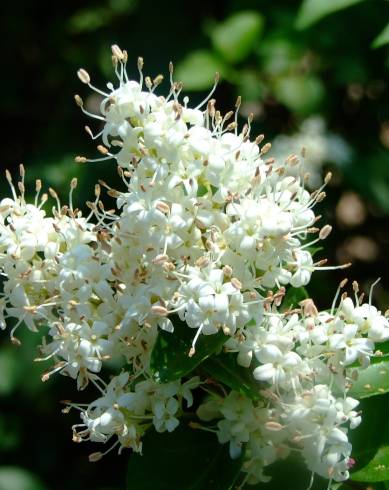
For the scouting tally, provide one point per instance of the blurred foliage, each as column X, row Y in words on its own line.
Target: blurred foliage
column 290, row 60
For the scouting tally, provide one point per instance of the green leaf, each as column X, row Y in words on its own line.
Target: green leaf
column 236, row 37
column 293, row 297
column 383, row 349
column 197, row 71
column 289, row 474
column 170, row 357
column 185, row 459
column 369, row 435
column 311, row 11
column 382, row 38
column 371, row 381
column 300, row 94
column 377, row 469
column 224, row 368
column 10, row 371
column 15, row 478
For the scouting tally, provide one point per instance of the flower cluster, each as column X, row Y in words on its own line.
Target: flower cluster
column 318, row 147
column 206, row 229
column 303, row 360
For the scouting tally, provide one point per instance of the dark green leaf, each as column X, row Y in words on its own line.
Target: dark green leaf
column 170, row 357
column 289, row 474
column 377, row 469
column 293, row 297
column 370, row 434
column 311, row 11
column 224, row 368
column 185, row 459
column 235, row 38
column 371, row 381
column 384, row 353
column 382, row 38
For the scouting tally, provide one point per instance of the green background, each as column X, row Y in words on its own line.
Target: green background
column 288, row 61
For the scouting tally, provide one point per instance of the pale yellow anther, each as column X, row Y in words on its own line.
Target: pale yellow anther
column 83, row 75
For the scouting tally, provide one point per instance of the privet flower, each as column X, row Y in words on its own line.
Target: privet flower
column 208, row 229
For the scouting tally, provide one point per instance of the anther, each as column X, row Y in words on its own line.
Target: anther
column 265, row 148
column 325, row 231
column 80, row 159
column 102, row 149
column 273, row 426
column 116, row 51
column 89, row 131
column 159, row 310
column 83, row 75
column 8, row 176
column 78, row 100
column 157, row 80
column 94, row 457
column 328, row 177
column 236, row 283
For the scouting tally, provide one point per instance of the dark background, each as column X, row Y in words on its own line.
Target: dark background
column 285, row 74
